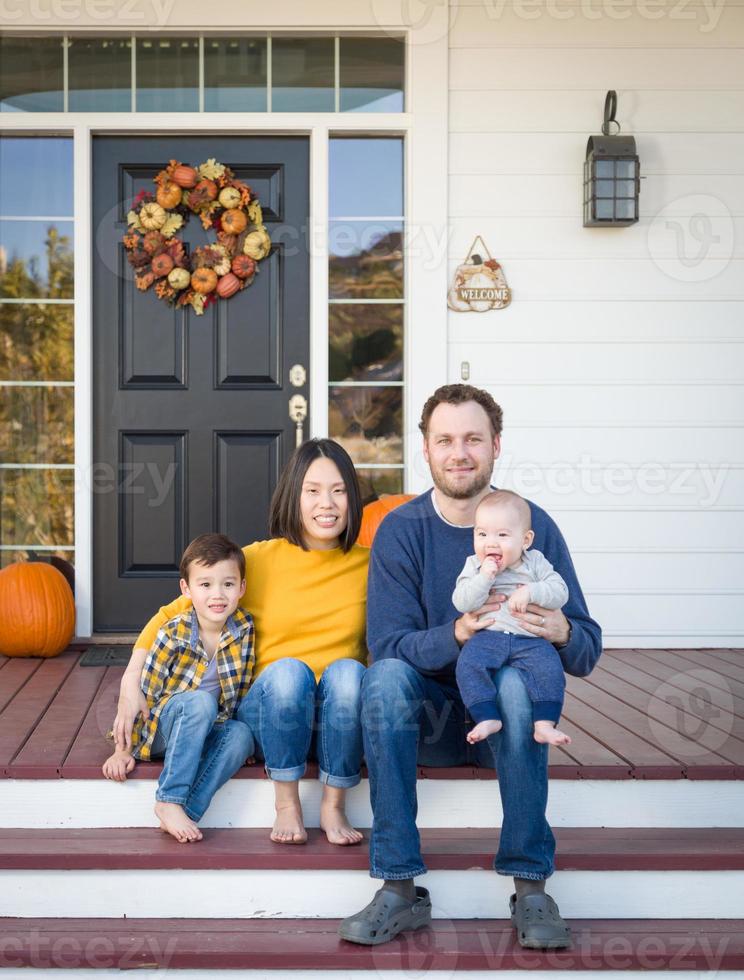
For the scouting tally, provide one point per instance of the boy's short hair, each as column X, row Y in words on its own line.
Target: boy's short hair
column 507, row 498
column 208, row 549
column 458, row 394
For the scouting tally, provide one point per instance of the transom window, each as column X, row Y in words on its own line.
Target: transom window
column 201, row 73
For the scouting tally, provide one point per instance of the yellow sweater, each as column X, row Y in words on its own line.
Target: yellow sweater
column 310, row 605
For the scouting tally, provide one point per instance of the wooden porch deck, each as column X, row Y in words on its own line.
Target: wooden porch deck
column 642, row 714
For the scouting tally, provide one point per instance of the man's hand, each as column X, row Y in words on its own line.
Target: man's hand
column 118, row 766
column 132, row 702
column 550, row 624
column 519, row 599
column 468, row 625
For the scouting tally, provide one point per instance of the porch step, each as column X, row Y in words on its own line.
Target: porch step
column 276, row 948
column 462, row 798
column 608, row 873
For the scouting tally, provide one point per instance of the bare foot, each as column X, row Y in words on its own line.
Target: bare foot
column 483, row 729
column 337, row 828
column 288, row 827
column 174, row 821
column 545, row 731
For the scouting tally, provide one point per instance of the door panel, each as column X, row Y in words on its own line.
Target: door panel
column 191, row 424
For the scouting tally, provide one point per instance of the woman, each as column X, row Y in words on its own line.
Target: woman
column 306, row 590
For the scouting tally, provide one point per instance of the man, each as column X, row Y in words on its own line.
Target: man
column 412, row 710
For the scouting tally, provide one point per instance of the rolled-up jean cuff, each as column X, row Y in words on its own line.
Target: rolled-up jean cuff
column 180, row 800
column 398, row 875
column 339, row 782
column 286, row 775
column 529, row 875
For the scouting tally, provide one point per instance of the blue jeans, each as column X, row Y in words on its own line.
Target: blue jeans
column 291, row 718
column 409, row 719
column 200, row 755
column 536, row 660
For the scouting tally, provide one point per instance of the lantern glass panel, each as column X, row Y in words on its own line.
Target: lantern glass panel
column 626, row 168
column 604, row 168
column 625, row 208
column 625, row 188
column 605, row 188
column 604, row 209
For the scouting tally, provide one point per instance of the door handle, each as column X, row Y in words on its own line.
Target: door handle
column 298, row 414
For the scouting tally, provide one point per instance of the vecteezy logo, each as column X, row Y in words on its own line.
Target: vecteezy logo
column 692, row 238
column 692, row 713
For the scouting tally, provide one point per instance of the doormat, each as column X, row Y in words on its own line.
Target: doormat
column 106, row 657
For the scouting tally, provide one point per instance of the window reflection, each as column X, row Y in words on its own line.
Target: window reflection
column 36, row 424
column 302, row 74
column 36, row 507
column 100, row 74
column 168, row 75
column 372, row 74
column 366, row 342
column 36, row 260
column 365, row 178
column 41, row 162
column 235, row 74
column 368, row 422
column 366, row 259
column 31, row 74
column 36, row 342
column 375, row 482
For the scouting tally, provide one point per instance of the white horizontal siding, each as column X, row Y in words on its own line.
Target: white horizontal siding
column 620, row 363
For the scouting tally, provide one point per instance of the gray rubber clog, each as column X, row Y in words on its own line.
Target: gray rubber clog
column 385, row 916
column 538, row 923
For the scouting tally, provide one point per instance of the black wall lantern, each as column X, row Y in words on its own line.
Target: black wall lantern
column 612, row 177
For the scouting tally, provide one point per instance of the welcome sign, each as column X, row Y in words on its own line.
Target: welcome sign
column 479, row 284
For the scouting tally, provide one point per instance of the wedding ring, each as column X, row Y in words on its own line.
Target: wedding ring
column 542, row 620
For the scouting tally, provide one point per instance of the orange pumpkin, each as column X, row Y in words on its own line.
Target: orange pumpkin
column 37, row 610
column 228, row 285
column 234, row 221
column 243, row 266
column 204, row 281
column 152, row 242
column 185, row 176
column 168, row 195
column 207, row 188
column 373, row 514
column 162, row 265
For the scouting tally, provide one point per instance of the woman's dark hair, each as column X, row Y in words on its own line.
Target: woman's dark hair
column 284, row 514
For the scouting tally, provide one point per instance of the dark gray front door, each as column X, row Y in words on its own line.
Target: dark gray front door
column 191, row 423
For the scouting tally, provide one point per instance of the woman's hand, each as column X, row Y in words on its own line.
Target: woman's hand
column 550, row 624
column 468, row 624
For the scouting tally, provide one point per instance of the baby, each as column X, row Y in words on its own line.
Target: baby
column 502, row 563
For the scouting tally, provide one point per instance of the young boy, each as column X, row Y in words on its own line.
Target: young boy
column 502, row 535
column 198, row 669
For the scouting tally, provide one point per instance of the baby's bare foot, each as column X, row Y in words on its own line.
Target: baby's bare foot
column 337, row 828
column 545, row 731
column 483, row 729
column 175, row 821
column 288, row 826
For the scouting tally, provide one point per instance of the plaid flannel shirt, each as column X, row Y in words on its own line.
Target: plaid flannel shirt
column 177, row 662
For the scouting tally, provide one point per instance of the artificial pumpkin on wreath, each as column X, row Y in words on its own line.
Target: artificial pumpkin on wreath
column 210, row 273
column 37, row 610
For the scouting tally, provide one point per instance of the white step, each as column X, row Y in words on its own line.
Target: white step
column 330, row 894
column 68, row 803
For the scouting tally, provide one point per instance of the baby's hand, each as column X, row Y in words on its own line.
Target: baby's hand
column 489, row 568
column 118, row 765
column 519, row 599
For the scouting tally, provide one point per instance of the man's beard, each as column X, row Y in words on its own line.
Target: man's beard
column 461, row 491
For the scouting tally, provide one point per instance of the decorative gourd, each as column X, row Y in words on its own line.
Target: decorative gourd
column 207, row 187
column 152, row 216
column 374, row 512
column 229, row 197
column 179, row 278
column 169, row 195
column 234, row 221
column 162, row 265
column 243, row 266
column 185, row 176
column 204, row 281
column 37, row 610
column 228, row 285
column 257, row 244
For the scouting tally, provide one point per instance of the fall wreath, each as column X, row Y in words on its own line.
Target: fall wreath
column 215, row 271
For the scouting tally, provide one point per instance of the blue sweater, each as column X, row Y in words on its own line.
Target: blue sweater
column 416, row 558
